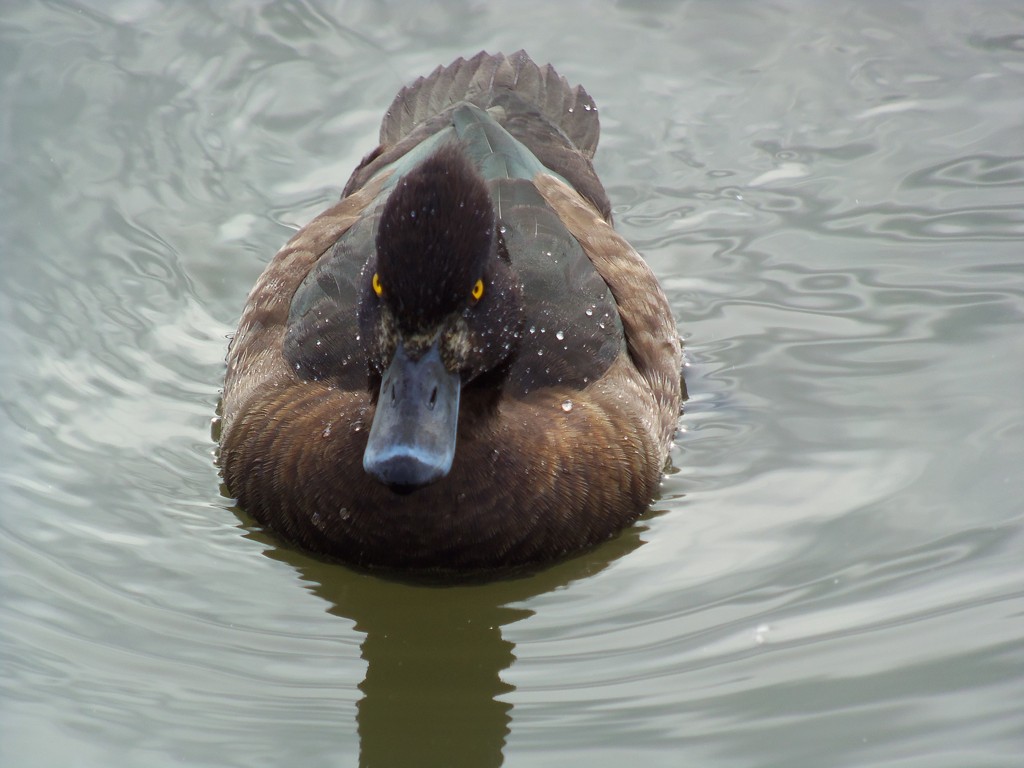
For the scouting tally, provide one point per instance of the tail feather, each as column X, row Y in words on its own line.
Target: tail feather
column 482, row 79
column 557, row 122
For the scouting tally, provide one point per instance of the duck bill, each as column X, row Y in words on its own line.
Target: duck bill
column 412, row 438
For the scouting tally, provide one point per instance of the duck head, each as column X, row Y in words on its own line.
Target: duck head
column 439, row 309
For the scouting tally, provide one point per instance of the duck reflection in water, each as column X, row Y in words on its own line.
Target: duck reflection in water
column 434, row 692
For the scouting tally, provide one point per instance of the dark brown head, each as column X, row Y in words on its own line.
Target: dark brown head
column 435, row 236
column 440, row 307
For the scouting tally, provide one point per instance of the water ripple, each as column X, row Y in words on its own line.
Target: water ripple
column 831, row 197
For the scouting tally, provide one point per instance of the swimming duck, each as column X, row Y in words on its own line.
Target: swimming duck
column 460, row 366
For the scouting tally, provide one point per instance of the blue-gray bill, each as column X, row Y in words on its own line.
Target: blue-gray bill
column 412, row 439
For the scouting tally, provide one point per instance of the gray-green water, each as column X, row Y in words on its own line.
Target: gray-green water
column 833, row 195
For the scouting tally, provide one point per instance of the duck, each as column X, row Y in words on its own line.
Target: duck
column 461, row 367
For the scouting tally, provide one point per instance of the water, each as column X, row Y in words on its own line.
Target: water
column 833, row 196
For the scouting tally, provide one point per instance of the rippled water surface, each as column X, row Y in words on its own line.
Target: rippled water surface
column 833, row 196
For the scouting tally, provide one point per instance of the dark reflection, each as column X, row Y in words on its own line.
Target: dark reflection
column 433, row 694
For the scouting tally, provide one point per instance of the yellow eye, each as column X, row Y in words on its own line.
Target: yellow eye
column 478, row 290
column 377, row 287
